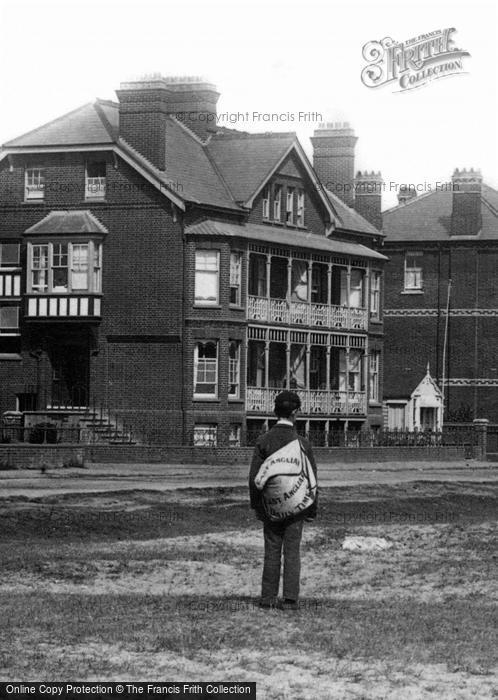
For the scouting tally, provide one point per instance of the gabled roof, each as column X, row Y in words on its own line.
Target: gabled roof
column 350, row 220
column 281, row 236
column 246, row 160
column 68, row 222
column 428, row 218
column 82, row 126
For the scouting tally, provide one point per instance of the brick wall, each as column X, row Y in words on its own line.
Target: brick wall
column 33, row 457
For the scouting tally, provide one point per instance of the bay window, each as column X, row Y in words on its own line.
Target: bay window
column 62, row 267
column 207, row 272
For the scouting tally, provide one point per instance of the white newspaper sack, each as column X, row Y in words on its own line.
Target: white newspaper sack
column 287, row 481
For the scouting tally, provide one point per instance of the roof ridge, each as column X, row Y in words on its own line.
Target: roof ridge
column 218, row 172
column 412, row 201
column 187, row 129
column 259, row 134
column 49, row 123
column 106, row 123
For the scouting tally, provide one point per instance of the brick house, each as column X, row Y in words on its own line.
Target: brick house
column 443, row 255
column 179, row 275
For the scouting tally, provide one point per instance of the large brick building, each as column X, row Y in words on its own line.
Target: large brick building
column 443, row 255
column 180, row 275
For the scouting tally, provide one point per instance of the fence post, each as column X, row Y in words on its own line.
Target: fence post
column 481, row 428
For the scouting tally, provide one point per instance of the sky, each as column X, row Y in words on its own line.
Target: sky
column 268, row 56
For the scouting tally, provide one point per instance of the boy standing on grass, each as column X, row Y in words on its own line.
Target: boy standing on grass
column 285, row 534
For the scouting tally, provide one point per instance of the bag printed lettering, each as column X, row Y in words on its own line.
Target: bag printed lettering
column 287, row 481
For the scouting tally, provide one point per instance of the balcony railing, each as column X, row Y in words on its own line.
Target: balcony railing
column 317, row 402
column 67, row 306
column 300, row 313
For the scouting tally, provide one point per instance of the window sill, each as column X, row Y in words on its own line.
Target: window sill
column 33, row 201
column 207, row 306
column 10, row 356
column 412, row 291
column 207, row 399
column 377, row 404
column 237, row 307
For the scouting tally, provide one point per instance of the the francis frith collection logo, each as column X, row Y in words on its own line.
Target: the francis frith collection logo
column 412, row 63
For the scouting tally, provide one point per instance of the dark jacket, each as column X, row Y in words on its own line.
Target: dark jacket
column 266, row 445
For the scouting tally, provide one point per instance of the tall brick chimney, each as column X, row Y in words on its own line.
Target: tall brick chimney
column 145, row 103
column 406, row 194
column 333, row 158
column 466, row 217
column 368, row 197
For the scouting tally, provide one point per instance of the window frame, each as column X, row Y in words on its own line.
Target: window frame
column 236, row 285
column 11, row 330
column 413, row 270
column 94, row 284
column 10, row 265
column 375, row 289
column 300, row 208
column 204, row 396
column 203, row 301
column 277, row 203
column 289, row 206
column 39, row 189
column 266, row 200
column 234, row 369
column 374, row 377
column 101, row 194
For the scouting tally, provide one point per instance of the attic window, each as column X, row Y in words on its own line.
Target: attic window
column 95, row 180
column 413, row 271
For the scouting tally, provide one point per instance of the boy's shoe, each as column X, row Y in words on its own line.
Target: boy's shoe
column 268, row 603
column 289, row 604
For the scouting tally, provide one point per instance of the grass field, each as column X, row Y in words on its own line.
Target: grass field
column 163, row 586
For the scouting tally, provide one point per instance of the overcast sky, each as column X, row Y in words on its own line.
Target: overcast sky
column 266, row 56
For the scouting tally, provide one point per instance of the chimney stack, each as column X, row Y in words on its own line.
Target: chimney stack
column 333, row 158
column 466, row 217
column 144, row 105
column 406, row 194
column 368, row 197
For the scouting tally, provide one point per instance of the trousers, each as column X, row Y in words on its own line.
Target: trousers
column 278, row 536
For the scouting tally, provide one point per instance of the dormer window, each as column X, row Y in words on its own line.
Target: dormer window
column 34, row 183
column 277, row 203
column 95, row 180
column 289, row 208
column 266, row 203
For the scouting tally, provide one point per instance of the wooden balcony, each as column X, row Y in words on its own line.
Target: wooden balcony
column 320, row 402
column 79, row 307
column 302, row 313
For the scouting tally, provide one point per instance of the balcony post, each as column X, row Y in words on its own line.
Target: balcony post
column 268, row 273
column 347, row 376
column 348, row 293
column 289, row 281
column 366, row 291
column 267, row 362
column 310, row 278
column 287, row 360
column 307, row 375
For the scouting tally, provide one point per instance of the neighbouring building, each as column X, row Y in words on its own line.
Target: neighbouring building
column 178, row 275
column 441, row 298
